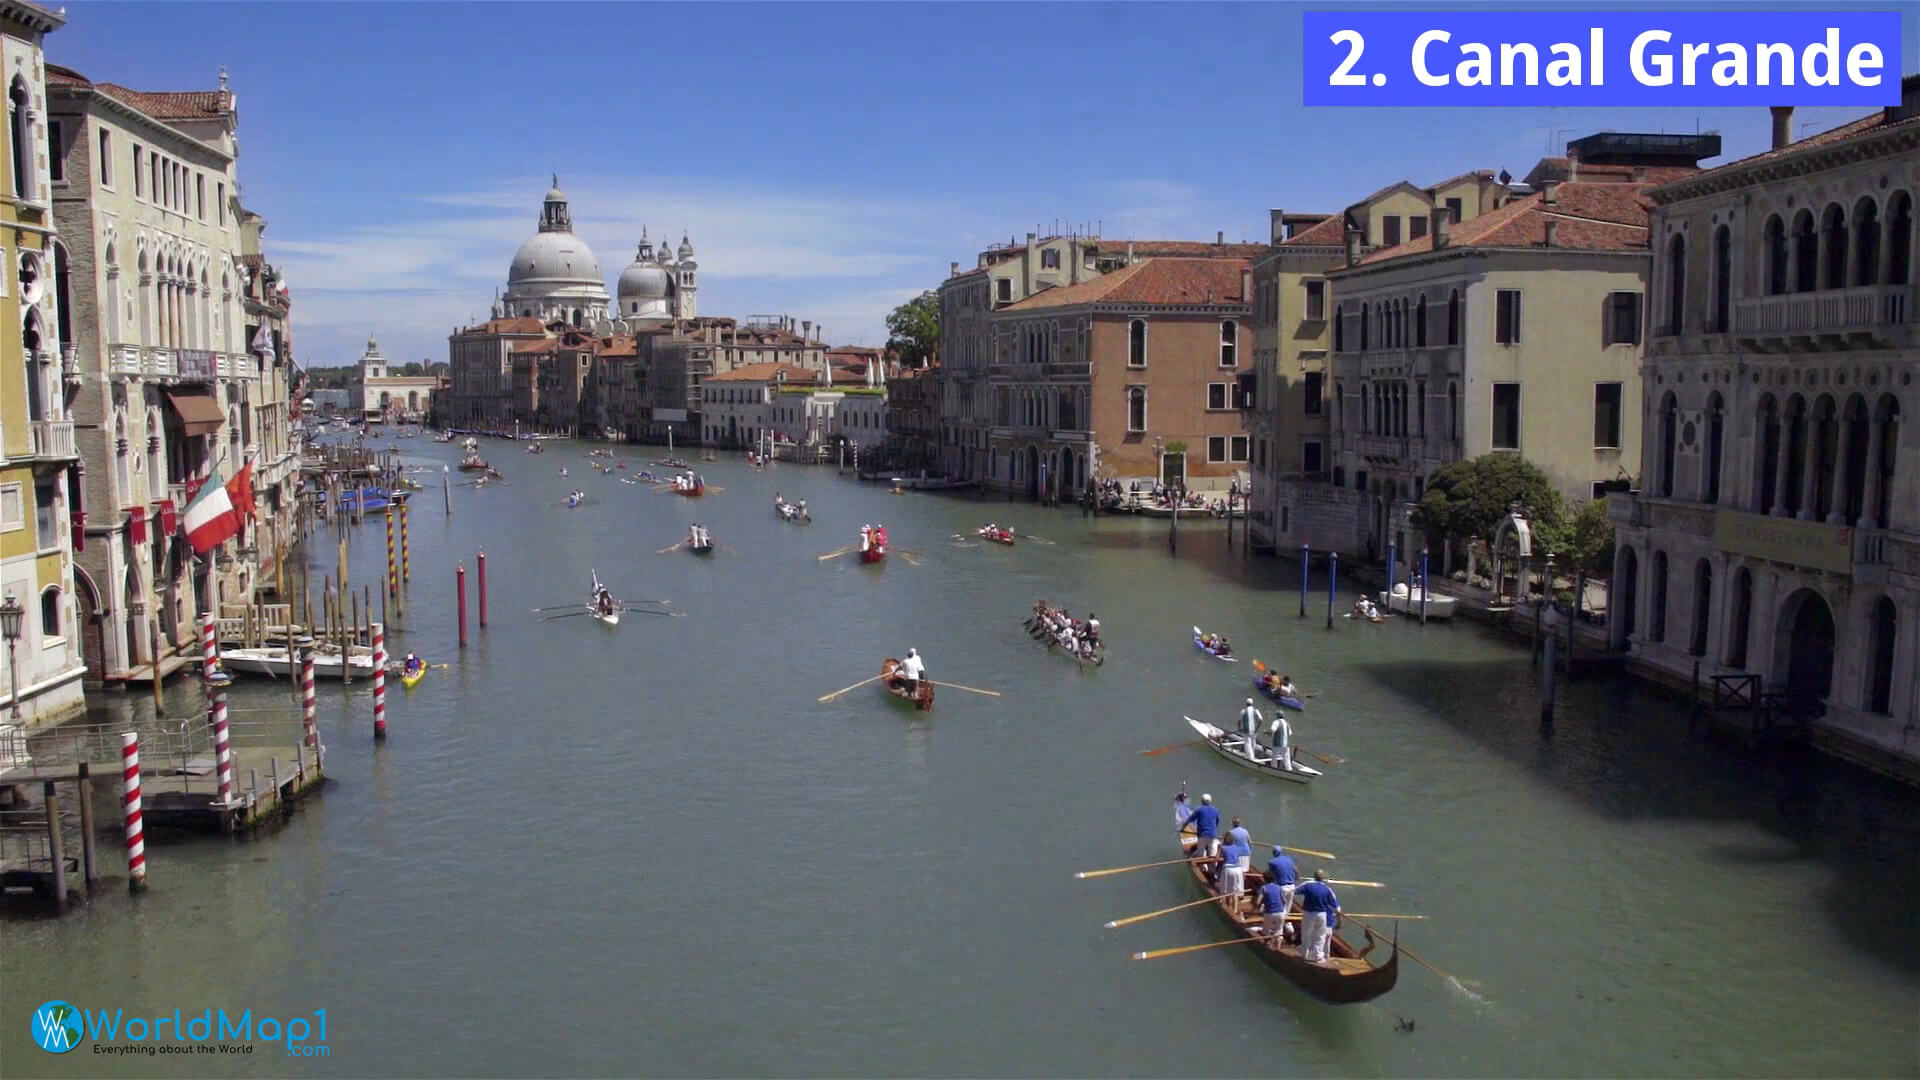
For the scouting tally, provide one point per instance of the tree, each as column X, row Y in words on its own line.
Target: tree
column 1589, row 543
column 1469, row 498
column 913, row 330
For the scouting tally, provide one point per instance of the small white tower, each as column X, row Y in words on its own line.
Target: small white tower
column 372, row 364
column 686, row 306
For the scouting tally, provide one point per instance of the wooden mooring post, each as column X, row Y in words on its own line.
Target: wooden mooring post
column 89, row 865
column 56, row 846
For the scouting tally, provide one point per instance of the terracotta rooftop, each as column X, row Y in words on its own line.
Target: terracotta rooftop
column 161, row 105
column 619, row 345
column 764, row 373
column 1475, row 176
column 1873, row 122
column 519, row 324
column 1172, row 281
column 1329, row 233
column 1591, row 217
column 1196, row 249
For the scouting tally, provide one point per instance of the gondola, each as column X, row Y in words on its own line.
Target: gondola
column 921, row 697
column 1232, row 745
column 998, row 536
column 1347, row 978
column 1260, row 681
column 704, row 547
column 1199, row 642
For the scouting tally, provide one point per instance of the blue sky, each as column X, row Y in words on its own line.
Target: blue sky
column 828, row 160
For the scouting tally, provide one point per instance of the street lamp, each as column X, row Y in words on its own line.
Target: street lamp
column 10, row 613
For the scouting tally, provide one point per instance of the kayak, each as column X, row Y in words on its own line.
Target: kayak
column 1260, row 682
column 412, row 680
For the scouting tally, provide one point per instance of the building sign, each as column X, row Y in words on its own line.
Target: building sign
column 1812, row 544
column 195, row 364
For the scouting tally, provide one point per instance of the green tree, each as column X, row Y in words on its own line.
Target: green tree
column 913, row 330
column 1469, row 498
column 1589, row 542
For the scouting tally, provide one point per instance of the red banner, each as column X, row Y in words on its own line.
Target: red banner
column 79, row 530
column 167, row 516
column 137, row 524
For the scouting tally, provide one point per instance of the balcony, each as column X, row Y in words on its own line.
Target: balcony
column 1069, row 371
column 53, row 440
column 1869, row 310
column 1380, row 447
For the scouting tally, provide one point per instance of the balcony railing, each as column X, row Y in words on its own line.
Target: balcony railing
column 1390, row 447
column 1834, row 311
column 53, row 439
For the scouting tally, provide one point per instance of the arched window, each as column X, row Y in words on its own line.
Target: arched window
column 1795, row 466
column 31, row 343
column 1882, row 630
column 1776, row 238
column 1669, row 425
column 1657, row 615
column 1888, row 416
column 1806, row 253
column 1364, row 319
column 1339, row 328
column 1768, row 460
column 1677, row 285
column 1834, row 223
column 1137, row 343
column 20, row 138
column 1453, row 409
column 1453, row 317
column 1722, row 280
column 1866, row 242
column 1854, row 442
column 1339, row 405
column 1366, row 409
column 1420, row 321
column 1899, row 238
column 1702, row 605
column 51, row 625
column 1826, row 437
column 1737, row 623
column 1716, row 441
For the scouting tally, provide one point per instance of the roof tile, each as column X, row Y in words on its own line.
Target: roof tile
column 1591, row 217
column 1182, row 281
column 764, row 373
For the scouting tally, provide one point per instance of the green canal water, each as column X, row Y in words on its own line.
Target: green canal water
column 650, row 851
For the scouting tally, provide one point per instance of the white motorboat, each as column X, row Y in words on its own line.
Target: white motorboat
column 1232, row 745
column 273, row 661
column 1405, row 601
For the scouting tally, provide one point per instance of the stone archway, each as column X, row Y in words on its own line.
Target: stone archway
column 91, row 613
column 1805, row 642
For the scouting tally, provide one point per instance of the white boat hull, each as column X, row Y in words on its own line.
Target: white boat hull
column 1438, row 607
column 1232, row 746
column 275, row 662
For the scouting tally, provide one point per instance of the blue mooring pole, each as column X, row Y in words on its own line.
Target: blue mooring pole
column 1392, row 549
column 1333, row 577
column 1306, row 557
column 1423, row 586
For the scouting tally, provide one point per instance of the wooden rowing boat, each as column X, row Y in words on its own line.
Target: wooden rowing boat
column 1199, row 642
column 1232, row 745
column 1001, row 536
column 1260, row 681
column 701, row 549
column 1347, row 977
column 921, row 696
column 1045, row 636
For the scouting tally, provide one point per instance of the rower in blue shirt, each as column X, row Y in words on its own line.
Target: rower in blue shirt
column 1244, row 839
column 1321, row 914
column 1233, row 875
column 1274, row 901
column 1282, row 874
column 1206, row 827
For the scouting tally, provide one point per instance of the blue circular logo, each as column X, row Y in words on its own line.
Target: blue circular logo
column 57, row 1027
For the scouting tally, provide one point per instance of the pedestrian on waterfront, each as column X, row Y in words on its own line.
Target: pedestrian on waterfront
column 1250, row 721
column 1282, row 872
column 1206, row 827
column 1321, row 916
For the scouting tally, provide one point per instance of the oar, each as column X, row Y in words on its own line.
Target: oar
column 968, row 689
column 644, row 611
column 1158, row 750
column 1360, row 884
column 1299, row 850
column 669, row 547
column 835, row 554
column 1415, row 957
column 1324, row 759
column 1155, row 954
column 1127, row 869
column 568, row 615
column 911, row 561
column 1131, row 919
column 557, row 607
column 855, row 686
column 1262, row 669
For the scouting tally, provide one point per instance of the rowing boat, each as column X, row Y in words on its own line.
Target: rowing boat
column 921, row 696
column 1232, row 745
column 703, row 548
column 1260, row 681
column 1346, row 978
column 998, row 536
column 273, row 660
column 1046, row 637
column 606, row 618
column 1199, row 642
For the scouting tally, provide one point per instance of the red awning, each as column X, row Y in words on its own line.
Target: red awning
column 199, row 414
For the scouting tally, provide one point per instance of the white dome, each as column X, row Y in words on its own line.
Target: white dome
column 555, row 257
column 644, row 279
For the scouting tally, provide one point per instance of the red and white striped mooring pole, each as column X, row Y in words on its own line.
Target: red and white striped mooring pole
column 136, row 833
column 306, row 691
column 209, row 652
column 222, row 747
column 379, row 680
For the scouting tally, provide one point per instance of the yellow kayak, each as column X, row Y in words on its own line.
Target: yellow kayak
column 410, row 681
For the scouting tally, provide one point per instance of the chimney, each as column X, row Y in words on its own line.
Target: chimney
column 1276, row 226
column 1220, row 237
column 953, row 268
column 1353, row 247
column 1782, row 125
column 1553, row 232
column 1573, row 163
column 1129, row 253
column 1246, row 285
column 806, row 327
column 1549, row 190
column 1442, row 220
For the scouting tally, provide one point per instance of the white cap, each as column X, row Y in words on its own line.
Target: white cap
column 1249, row 701
column 1206, row 798
column 913, row 652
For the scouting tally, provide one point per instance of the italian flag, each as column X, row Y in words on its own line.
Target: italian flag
column 209, row 518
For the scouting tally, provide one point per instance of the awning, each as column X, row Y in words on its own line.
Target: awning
column 199, row 414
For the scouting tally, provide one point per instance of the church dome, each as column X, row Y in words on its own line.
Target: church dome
column 555, row 256
column 686, row 249
column 644, row 279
